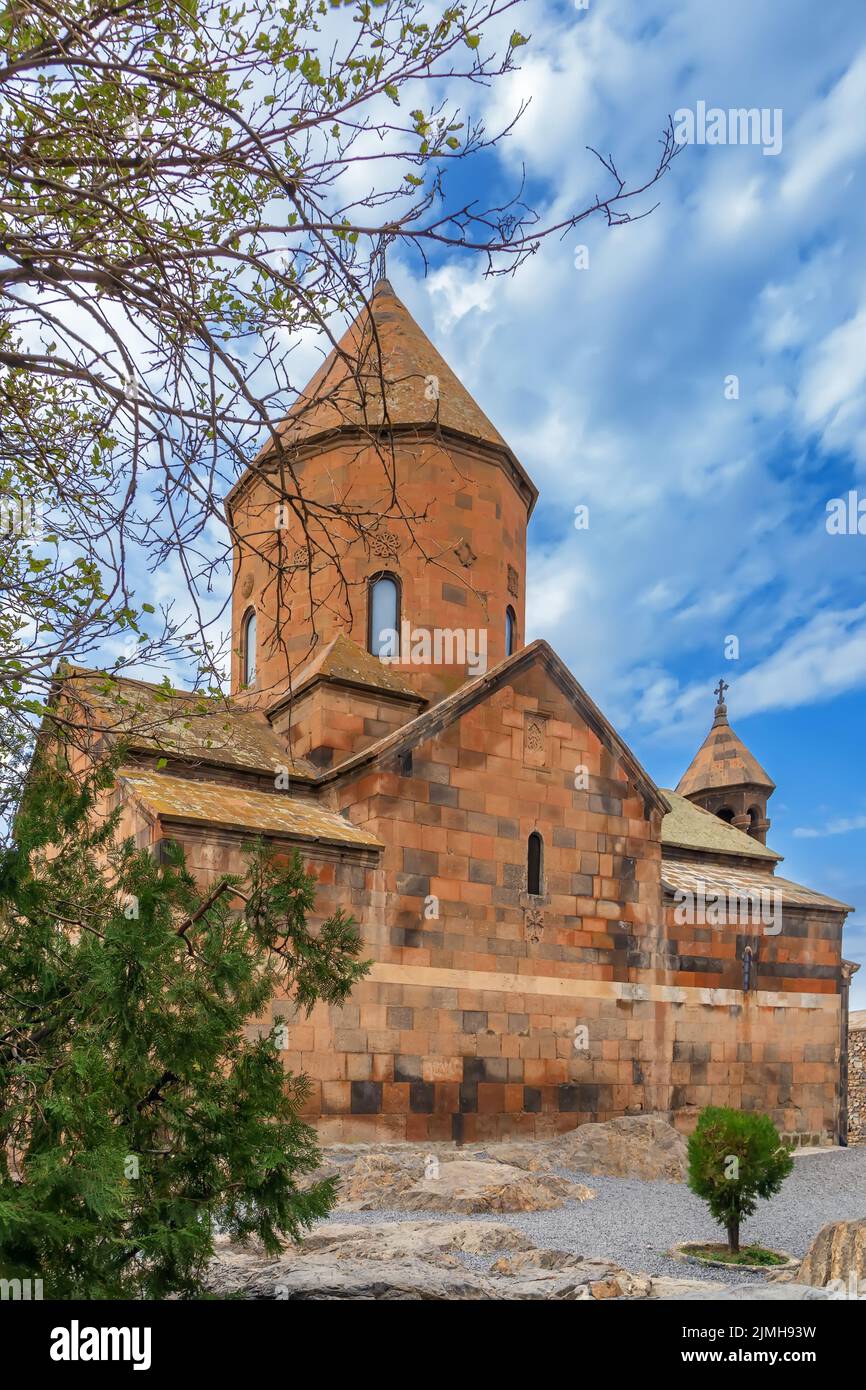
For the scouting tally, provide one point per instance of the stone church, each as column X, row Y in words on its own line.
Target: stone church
column 554, row 938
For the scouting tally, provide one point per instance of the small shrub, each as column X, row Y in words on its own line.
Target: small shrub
column 735, row 1158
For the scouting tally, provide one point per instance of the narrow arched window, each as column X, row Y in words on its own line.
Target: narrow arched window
column 248, row 648
column 383, row 617
column 510, row 624
column 534, row 863
column 726, row 814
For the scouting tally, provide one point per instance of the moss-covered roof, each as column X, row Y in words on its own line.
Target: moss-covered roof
column 175, row 723
column 687, row 826
column 194, row 801
column 343, row 660
column 691, row 877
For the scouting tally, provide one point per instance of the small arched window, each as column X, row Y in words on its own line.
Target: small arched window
column 726, row 814
column 510, row 625
column 383, row 617
column 534, row 863
column 248, row 648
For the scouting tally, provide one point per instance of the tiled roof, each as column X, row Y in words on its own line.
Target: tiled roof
column 385, row 373
column 196, row 801
column 180, row 724
column 716, row 878
column 722, row 760
column 687, row 826
column 343, row 660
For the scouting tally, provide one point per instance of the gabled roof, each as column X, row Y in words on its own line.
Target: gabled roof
column 688, row 876
column 175, row 723
column 687, row 826
column 343, row 662
column 434, row 720
column 385, row 374
column 187, row 800
column 722, row 760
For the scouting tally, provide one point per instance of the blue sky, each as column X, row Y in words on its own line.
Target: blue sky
column 707, row 514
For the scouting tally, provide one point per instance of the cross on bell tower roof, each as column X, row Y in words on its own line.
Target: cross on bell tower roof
column 723, row 760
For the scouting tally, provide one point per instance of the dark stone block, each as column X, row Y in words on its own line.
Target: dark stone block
column 413, row 885
column 366, row 1097
column 407, row 1068
column 482, row 871
column 495, row 1069
column 473, row 1069
column 563, row 838
column 420, row 861
column 422, row 1095
column 474, row 1021
column 443, row 796
column 508, row 829
column 469, row 1097
column 400, row 1018
column 451, row 594
column 532, row 1100
column 567, row 1098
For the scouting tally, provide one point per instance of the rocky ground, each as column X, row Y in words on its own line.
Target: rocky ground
column 591, row 1215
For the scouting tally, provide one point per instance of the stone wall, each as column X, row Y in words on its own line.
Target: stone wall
column 489, row 1012
column 857, row 1085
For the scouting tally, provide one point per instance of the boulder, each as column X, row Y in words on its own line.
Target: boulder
column 385, row 1181
column 633, row 1146
column 471, row 1186
column 837, row 1255
column 437, row 1241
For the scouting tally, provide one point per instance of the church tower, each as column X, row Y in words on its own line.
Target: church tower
column 393, row 507
column 725, row 778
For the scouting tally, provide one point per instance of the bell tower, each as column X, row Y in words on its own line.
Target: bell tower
column 726, row 779
column 394, row 507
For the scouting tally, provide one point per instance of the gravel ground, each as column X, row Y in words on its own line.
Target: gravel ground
column 634, row 1223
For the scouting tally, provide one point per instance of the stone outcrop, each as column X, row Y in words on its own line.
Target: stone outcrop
column 388, row 1180
column 634, row 1146
column 449, row 1260
column 516, row 1176
column 837, row 1255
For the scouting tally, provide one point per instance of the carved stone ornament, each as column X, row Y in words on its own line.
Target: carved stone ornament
column 247, row 586
column 536, row 732
column 513, row 581
column 385, row 544
column 465, row 554
column 533, row 924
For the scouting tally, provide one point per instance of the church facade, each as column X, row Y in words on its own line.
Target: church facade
column 554, row 938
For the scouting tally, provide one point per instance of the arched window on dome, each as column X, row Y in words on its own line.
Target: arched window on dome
column 726, row 814
column 534, row 864
column 248, row 648
column 510, row 629
column 383, row 616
